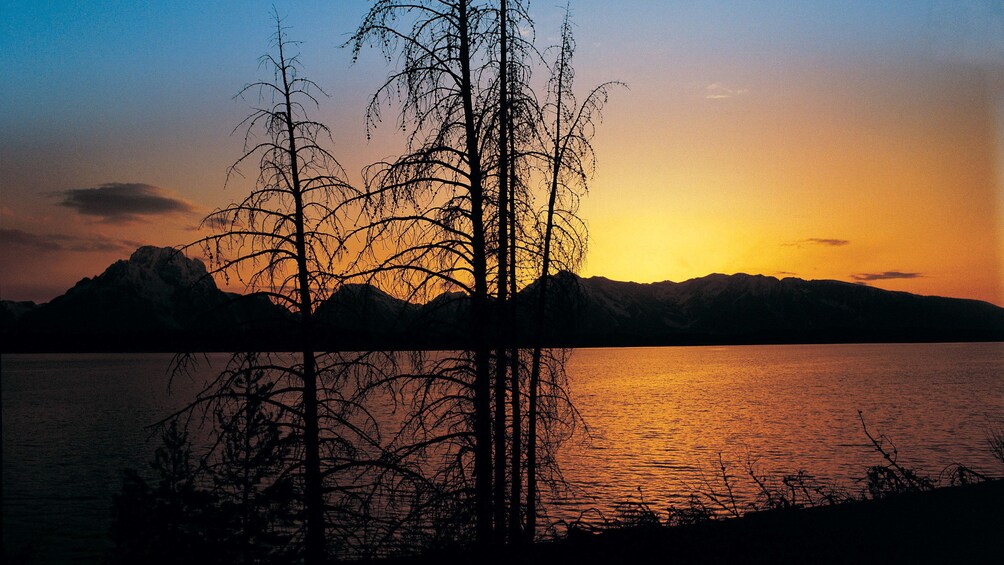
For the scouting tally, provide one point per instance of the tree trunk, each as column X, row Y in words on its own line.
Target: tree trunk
column 531, row 463
column 479, row 306
column 502, row 321
column 515, row 500
column 314, row 537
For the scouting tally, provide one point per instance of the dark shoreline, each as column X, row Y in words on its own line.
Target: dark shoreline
column 13, row 344
column 960, row 524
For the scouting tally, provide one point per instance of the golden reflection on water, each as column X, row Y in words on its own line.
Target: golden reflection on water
column 659, row 417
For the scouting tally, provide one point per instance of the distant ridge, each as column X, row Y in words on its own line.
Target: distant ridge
column 159, row 300
column 745, row 308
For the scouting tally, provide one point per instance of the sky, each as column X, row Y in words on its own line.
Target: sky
column 860, row 141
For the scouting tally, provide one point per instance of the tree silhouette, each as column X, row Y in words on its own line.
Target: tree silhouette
column 569, row 165
column 512, row 128
column 284, row 240
column 502, row 283
column 173, row 521
column 432, row 201
column 248, row 476
column 456, row 213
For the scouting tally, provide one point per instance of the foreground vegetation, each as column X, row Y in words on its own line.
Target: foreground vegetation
column 960, row 524
column 897, row 514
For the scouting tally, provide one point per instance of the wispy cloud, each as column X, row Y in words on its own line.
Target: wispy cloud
column 41, row 243
column 824, row 241
column 718, row 91
column 119, row 203
column 216, row 223
column 887, row 275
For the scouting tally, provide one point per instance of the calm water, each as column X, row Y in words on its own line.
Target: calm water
column 657, row 417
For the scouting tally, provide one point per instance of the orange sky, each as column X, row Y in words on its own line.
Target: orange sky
column 813, row 172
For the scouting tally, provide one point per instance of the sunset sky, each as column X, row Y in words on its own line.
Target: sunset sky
column 857, row 141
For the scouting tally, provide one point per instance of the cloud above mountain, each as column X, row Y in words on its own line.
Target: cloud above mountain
column 217, row 223
column 885, row 276
column 122, row 203
column 41, row 243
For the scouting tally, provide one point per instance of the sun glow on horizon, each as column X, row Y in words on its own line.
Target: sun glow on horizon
column 880, row 174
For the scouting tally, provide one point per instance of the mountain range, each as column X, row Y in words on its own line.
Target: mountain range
column 159, row 300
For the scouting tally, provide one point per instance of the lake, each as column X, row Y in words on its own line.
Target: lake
column 658, row 419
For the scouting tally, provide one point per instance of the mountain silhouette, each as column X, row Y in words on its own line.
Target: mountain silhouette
column 157, row 299
column 745, row 308
column 160, row 300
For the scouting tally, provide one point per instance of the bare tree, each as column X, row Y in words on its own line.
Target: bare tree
column 457, row 214
column 514, row 38
column 502, row 284
column 433, row 200
column 283, row 239
column 514, row 127
column 569, row 166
